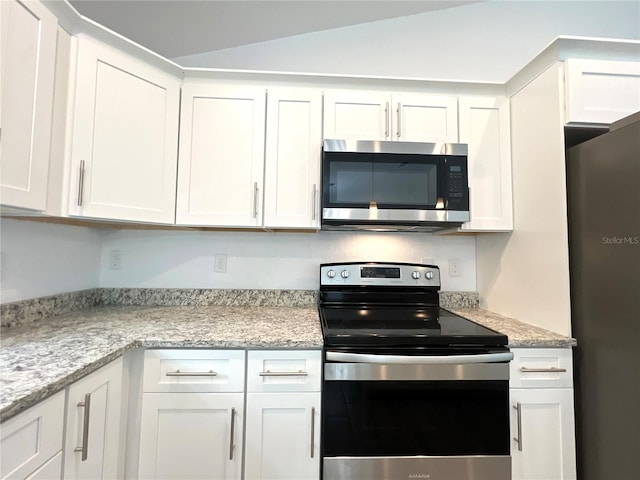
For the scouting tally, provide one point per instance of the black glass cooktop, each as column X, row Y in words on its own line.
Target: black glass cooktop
column 402, row 326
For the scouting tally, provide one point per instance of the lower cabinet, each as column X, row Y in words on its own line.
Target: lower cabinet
column 31, row 445
column 191, row 435
column 542, row 415
column 92, row 438
column 194, row 424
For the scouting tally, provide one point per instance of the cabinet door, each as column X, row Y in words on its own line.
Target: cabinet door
column 93, row 425
column 125, row 135
column 357, row 115
column 601, row 92
column 31, row 438
column 191, row 436
column 292, row 162
column 283, row 435
column 221, row 160
column 542, row 427
column 28, row 51
column 425, row 118
column 484, row 126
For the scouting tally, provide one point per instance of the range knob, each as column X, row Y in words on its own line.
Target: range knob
column 331, row 273
column 344, row 274
column 415, row 275
column 429, row 275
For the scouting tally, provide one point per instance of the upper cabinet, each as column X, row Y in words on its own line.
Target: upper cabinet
column 600, row 91
column 232, row 174
column 125, row 134
column 360, row 115
column 485, row 127
column 27, row 69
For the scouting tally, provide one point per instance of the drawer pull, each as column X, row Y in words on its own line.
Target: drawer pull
column 269, row 373
column 543, row 370
column 84, row 449
column 178, row 373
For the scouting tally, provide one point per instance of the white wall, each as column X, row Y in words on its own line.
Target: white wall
column 164, row 259
column 487, row 41
column 41, row 259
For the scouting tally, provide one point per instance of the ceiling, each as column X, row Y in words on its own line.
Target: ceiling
column 177, row 28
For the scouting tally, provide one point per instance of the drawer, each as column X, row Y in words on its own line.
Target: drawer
column 32, row 438
column 194, row 370
column 284, row 370
column 541, row 368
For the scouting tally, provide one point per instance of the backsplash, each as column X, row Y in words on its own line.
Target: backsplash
column 32, row 310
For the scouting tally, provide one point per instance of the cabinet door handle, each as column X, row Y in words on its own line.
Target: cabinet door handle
column 543, row 370
column 313, row 429
column 314, row 201
column 81, row 183
column 269, row 373
column 255, row 199
column 232, row 433
column 178, row 373
column 518, row 439
column 85, row 427
column 387, row 121
column 399, row 118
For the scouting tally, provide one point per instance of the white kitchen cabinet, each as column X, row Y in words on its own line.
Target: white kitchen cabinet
column 283, row 414
column 292, row 160
column 221, row 159
column 600, row 91
column 31, row 445
column 93, row 423
column 360, row 115
column 484, row 126
column 28, row 54
column 191, row 436
column 125, row 134
column 283, row 436
column 542, row 415
column 192, row 414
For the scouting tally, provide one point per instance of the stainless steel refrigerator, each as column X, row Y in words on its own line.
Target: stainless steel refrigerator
column 603, row 187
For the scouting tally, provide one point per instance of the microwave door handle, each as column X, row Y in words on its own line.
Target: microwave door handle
column 419, row 359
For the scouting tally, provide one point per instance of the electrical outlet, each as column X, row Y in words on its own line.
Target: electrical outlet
column 115, row 259
column 220, row 263
column 455, row 267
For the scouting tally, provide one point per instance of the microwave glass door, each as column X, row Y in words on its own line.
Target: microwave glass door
column 354, row 180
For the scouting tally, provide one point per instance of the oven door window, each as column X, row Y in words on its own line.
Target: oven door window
column 354, row 180
column 398, row 418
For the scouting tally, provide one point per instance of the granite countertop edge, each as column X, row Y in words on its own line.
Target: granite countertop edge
column 520, row 335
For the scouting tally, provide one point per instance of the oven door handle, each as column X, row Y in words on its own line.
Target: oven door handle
column 419, row 359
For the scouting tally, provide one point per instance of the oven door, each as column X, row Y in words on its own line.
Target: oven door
column 399, row 417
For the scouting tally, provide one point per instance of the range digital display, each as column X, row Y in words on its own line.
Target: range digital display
column 380, row 272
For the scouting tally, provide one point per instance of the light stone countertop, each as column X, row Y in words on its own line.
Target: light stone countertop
column 42, row 357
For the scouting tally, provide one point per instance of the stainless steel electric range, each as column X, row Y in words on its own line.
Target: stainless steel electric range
column 410, row 390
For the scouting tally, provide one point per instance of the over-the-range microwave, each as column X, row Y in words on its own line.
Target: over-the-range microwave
column 394, row 186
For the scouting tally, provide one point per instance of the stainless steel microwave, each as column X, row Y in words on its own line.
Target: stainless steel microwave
column 394, row 186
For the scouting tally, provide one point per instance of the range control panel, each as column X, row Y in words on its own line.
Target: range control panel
column 381, row 274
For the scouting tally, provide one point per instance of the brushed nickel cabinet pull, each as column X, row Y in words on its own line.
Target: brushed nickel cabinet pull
column 543, row 370
column 269, row 373
column 81, row 183
column 314, row 201
column 255, row 199
column 313, row 428
column 518, row 439
column 232, row 434
column 85, row 427
column 178, row 373
column 387, row 121
column 399, row 118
